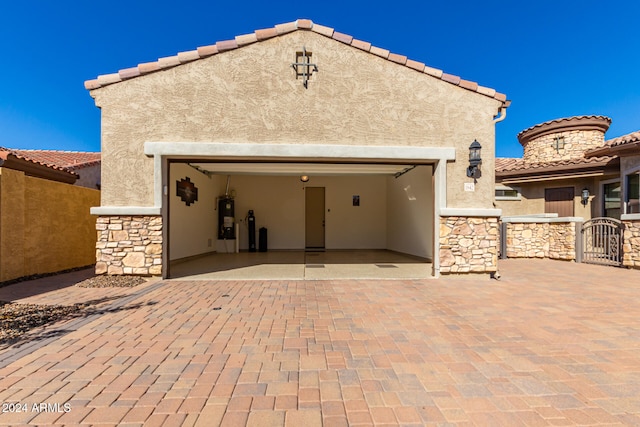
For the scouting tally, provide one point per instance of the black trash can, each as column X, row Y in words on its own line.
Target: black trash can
column 262, row 239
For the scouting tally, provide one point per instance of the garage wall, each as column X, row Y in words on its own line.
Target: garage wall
column 410, row 213
column 191, row 227
column 278, row 204
column 354, row 227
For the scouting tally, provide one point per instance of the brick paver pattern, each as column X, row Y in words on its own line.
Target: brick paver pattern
column 551, row 343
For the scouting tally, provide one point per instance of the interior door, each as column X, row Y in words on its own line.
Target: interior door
column 314, row 217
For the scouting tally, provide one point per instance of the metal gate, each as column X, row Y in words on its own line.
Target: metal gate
column 602, row 241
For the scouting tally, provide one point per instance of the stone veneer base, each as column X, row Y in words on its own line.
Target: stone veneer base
column 129, row 245
column 631, row 244
column 468, row 245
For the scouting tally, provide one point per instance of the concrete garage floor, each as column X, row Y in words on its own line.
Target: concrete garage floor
column 301, row 265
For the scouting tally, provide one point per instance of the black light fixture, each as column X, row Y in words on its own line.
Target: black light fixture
column 585, row 196
column 475, row 160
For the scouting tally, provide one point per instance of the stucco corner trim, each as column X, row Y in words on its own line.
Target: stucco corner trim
column 630, row 217
column 297, row 151
column 125, row 210
column 470, row 212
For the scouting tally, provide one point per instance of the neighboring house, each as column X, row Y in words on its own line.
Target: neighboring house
column 562, row 158
column 18, row 160
column 384, row 140
column 45, row 223
column 627, row 149
column 86, row 165
column 569, row 170
column 554, row 171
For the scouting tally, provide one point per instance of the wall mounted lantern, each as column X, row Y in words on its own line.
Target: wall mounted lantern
column 585, row 196
column 304, row 178
column 475, row 160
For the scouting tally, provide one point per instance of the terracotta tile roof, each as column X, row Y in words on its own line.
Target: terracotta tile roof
column 278, row 30
column 613, row 146
column 508, row 163
column 564, row 124
column 511, row 166
column 630, row 138
column 54, row 159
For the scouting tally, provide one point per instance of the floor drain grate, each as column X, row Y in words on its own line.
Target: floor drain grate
column 315, row 265
column 386, row 266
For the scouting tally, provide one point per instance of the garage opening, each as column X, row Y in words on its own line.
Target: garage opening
column 318, row 220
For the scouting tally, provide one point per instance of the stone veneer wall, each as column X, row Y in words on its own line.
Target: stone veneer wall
column 562, row 240
column 576, row 142
column 556, row 240
column 129, row 245
column 468, row 245
column 631, row 244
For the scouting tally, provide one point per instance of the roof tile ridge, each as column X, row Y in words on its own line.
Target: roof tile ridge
column 623, row 138
column 280, row 29
column 51, row 150
column 17, row 155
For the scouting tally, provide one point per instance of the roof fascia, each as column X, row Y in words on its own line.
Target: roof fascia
column 562, row 169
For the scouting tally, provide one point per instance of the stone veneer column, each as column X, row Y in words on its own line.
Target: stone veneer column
column 631, row 244
column 468, row 245
column 129, row 245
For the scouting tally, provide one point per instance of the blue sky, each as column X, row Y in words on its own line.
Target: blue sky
column 552, row 58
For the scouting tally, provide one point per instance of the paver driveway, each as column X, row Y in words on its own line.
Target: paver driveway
column 551, row 343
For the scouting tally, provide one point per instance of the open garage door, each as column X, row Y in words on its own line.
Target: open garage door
column 378, row 220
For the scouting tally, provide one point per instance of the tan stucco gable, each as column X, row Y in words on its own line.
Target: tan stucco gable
column 278, row 30
column 251, row 95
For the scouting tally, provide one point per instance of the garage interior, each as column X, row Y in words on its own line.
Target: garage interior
column 322, row 220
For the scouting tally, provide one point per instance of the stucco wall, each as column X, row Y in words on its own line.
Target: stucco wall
column 532, row 197
column 251, row 95
column 12, row 224
column 89, row 176
column 629, row 164
column 45, row 226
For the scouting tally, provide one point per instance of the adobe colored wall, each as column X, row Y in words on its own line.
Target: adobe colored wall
column 45, row 226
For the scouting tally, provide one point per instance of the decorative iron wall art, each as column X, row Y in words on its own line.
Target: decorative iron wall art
column 187, row 191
